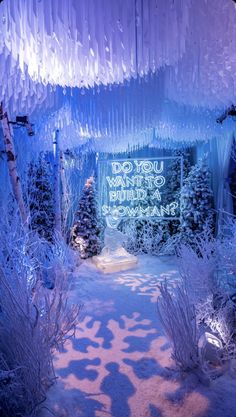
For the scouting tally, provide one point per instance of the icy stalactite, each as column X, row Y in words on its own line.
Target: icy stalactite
column 85, row 44
column 114, row 71
column 89, row 49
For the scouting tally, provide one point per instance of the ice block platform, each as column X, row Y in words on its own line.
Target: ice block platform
column 109, row 264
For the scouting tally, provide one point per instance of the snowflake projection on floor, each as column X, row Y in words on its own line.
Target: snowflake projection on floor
column 124, row 376
column 117, row 363
column 147, row 284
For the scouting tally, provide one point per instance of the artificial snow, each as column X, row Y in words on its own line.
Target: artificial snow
column 119, row 362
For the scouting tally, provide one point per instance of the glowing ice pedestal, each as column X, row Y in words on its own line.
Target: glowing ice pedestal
column 109, row 264
column 114, row 257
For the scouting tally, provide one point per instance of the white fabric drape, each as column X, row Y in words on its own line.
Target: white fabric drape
column 221, row 151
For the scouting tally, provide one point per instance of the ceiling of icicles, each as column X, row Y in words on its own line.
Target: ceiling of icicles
column 112, row 72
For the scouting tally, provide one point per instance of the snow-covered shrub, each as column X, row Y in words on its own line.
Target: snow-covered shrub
column 206, row 293
column 59, row 252
column 85, row 234
column 215, row 306
column 33, row 321
column 10, row 384
column 60, row 317
column 22, row 341
column 226, row 249
column 23, row 347
column 197, row 265
column 178, row 318
column 145, row 236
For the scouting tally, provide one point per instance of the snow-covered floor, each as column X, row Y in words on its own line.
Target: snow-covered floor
column 116, row 364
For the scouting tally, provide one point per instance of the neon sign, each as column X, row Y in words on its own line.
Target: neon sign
column 138, row 188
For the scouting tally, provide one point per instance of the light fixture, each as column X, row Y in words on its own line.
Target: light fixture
column 231, row 111
column 213, row 340
column 210, row 348
column 23, row 121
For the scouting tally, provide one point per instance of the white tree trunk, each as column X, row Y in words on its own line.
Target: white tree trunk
column 12, row 168
column 57, row 183
column 65, row 197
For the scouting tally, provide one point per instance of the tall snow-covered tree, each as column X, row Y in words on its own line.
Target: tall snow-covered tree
column 173, row 183
column 40, row 195
column 85, row 232
column 173, row 177
column 197, row 201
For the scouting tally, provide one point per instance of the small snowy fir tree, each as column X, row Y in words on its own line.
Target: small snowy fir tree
column 85, row 232
column 40, row 198
column 197, row 202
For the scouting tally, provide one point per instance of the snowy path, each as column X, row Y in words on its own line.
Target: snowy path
column 116, row 364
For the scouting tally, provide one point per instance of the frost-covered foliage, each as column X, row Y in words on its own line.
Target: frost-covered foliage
column 197, row 215
column 197, row 265
column 25, row 350
column 45, row 255
column 85, row 234
column 199, row 272
column 33, row 320
column 177, row 315
column 196, row 202
column 173, row 178
column 40, row 199
column 145, row 236
column 226, row 248
column 10, row 386
column 203, row 291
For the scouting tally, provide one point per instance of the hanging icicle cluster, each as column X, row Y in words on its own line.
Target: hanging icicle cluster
column 131, row 115
column 118, row 73
column 80, row 43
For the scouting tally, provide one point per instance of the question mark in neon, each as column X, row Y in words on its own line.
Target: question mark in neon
column 173, row 207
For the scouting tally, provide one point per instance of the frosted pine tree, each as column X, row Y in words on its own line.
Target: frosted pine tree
column 173, row 181
column 85, row 232
column 197, row 202
column 174, row 175
column 40, row 199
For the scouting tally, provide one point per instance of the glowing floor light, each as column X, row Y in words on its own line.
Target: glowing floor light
column 213, row 340
column 210, row 348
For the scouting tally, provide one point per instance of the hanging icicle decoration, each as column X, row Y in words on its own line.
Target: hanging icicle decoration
column 86, row 43
column 126, row 114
